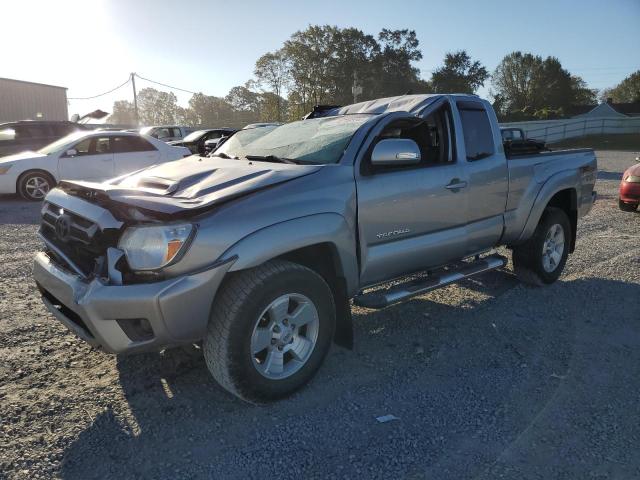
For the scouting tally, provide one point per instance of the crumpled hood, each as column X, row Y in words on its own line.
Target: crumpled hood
column 190, row 184
column 29, row 155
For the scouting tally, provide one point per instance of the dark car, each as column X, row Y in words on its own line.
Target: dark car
column 16, row 137
column 516, row 142
column 196, row 141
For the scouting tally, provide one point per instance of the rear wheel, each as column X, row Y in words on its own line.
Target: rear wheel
column 627, row 207
column 541, row 259
column 270, row 329
column 35, row 185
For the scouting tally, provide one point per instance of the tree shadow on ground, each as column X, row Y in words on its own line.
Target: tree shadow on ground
column 466, row 382
column 607, row 175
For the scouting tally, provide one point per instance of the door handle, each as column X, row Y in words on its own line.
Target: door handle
column 456, row 184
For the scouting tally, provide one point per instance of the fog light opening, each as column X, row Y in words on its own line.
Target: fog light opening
column 137, row 329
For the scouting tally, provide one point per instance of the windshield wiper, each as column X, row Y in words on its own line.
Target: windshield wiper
column 270, row 158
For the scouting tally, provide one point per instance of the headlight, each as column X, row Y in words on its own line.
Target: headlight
column 632, row 179
column 153, row 247
column 4, row 169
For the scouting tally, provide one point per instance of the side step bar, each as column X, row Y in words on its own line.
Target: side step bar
column 397, row 293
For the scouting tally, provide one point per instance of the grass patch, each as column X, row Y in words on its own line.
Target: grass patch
column 622, row 141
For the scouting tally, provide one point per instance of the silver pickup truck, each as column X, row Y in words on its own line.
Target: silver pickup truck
column 258, row 250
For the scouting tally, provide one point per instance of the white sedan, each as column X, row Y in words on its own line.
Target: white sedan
column 94, row 156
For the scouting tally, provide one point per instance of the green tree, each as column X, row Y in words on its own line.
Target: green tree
column 627, row 91
column 271, row 107
column 459, row 74
column 123, row 113
column 320, row 64
column 529, row 83
column 352, row 61
column 272, row 71
column 156, row 107
column 309, row 54
column 208, row 111
column 393, row 66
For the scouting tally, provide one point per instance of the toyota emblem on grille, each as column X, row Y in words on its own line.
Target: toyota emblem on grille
column 63, row 227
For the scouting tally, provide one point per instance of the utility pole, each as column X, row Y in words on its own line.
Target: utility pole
column 356, row 89
column 135, row 98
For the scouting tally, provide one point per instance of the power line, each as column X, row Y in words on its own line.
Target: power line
column 165, row 85
column 101, row 94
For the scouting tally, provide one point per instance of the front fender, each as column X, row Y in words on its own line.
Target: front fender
column 280, row 238
column 567, row 179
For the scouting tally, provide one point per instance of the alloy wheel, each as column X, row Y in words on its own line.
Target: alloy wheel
column 284, row 336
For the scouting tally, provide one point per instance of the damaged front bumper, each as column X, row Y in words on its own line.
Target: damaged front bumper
column 130, row 318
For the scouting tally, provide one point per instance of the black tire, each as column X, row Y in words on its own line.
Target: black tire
column 236, row 310
column 27, row 179
column 627, row 207
column 528, row 257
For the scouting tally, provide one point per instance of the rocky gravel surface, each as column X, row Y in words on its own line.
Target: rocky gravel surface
column 488, row 379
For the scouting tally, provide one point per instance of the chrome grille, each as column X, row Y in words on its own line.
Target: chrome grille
column 81, row 229
column 80, row 245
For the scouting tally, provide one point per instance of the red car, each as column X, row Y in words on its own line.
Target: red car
column 630, row 188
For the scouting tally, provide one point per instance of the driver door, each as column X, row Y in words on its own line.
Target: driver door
column 410, row 218
column 93, row 160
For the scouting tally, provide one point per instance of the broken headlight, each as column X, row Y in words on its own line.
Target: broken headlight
column 153, row 247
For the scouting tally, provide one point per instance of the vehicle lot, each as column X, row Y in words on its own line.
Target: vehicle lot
column 488, row 378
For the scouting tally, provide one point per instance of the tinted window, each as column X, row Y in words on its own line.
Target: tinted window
column 31, row 131
column 131, row 144
column 93, row 146
column 176, row 132
column 478, row 138
column 212, row 135
column 62, row 129
column 161, row 133
column 83, row 147
column 511, row 135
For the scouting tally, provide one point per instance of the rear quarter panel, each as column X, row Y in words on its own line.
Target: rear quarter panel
column 535, row 179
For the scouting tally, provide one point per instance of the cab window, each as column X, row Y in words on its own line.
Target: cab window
column 432, row 134
column 476, row 130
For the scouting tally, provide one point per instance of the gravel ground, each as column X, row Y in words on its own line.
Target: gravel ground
column 488, row 379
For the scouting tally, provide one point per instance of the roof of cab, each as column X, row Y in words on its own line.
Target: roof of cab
column 402, row 103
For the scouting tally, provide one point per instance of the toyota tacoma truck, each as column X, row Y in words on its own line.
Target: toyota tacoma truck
column 258, row 251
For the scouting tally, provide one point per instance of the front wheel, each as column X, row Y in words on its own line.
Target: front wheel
column 541, row 259
column 270, row 329
column 627, row 207
column 35, row 185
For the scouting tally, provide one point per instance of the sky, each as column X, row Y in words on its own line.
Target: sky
column 91, row 46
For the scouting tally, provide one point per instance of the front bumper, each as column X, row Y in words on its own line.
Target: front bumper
column 109, row 316
column 630, row 192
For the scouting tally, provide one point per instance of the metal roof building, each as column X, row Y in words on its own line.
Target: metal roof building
column 21, row 100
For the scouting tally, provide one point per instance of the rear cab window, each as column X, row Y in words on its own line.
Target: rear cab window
column 476, row 130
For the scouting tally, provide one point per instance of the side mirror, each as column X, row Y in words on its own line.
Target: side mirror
column 396, row 152
column 72, row 152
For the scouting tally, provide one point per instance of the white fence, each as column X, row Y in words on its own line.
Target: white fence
column 555, row 130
